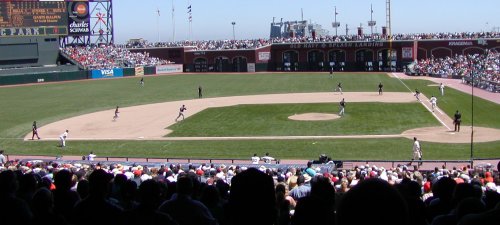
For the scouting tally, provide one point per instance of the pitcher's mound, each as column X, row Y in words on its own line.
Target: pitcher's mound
column 314, row 116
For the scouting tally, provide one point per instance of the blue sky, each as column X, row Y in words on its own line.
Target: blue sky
column 212, row 18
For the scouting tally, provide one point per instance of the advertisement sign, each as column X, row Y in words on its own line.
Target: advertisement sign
column 166, row 69
column 139, row 71
column 107, row 73
column 251, row 67
column 79, row 18
column 264, row 56
column 407, row 53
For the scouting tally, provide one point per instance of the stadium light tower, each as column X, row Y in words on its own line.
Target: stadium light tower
column 233, row 23
column 158, row 23
column 335, row 24
column 371, row 23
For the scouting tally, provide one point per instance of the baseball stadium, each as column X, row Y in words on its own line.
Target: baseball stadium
column 365, row 111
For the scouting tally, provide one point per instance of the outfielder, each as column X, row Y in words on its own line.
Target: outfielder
column 441, row 89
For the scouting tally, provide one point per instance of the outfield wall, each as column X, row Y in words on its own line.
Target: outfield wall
column 41, row 77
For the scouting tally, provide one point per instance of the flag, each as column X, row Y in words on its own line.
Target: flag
column 190, row 15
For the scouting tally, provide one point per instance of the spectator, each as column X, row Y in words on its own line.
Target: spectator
column 183, row 208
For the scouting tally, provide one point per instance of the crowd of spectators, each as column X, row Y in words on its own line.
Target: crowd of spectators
column 485, row 68
column 109, row 57
column 257, row 43
column 56, row 192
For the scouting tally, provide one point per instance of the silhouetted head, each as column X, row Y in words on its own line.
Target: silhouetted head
column 384, row 203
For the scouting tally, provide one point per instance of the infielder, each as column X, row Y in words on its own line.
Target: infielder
column 34, row 129
column 417, row 94
column 181, row 112
column 117, row 114
column 342, row 107
column 417, row 151
column 441, row 89
column 380, row 90
column 63, row 137
column 433, row 101
column 339, row 88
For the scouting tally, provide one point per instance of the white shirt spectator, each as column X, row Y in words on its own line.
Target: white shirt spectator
column 91, row 156
column 255, row 159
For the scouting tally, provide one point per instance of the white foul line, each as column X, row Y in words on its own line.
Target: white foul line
column 423, row 103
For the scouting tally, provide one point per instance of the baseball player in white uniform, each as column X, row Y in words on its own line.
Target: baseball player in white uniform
column 441, row 89
column 63, row 137
column 433, row 101
column 417, row 151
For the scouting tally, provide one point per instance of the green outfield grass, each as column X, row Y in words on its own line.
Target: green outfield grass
column 382, row 149
column 272, row 120
column 20, row 106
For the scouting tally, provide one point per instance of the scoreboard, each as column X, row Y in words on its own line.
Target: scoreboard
column 33, row 14
column 33, row 18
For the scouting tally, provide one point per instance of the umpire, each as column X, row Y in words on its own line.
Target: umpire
column 457, row 120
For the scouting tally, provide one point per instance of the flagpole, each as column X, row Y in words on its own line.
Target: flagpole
column 173, row 22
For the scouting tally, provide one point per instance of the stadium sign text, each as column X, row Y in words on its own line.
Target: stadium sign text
column 81, row 27
column 460, row 43
column 338, row 45
column 22, row 31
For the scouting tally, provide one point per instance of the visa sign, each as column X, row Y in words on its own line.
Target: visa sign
column 107, row 73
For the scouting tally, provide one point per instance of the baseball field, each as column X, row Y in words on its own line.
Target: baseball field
column 291, row 116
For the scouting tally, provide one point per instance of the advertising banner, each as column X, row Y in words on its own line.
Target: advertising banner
column 407, row 53
column 166, row 69
column 264, row 56
column 107, row 73
column 79, row 18
column 139, row 71
column 251, row 67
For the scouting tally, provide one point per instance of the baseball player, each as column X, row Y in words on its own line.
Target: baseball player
column 380, row 86
column 34, row 129
column 181, row 112
column 342, row 107
column 441, row 89
column 117, row 114
column 200, row 92
column 417, row 94
column 433, row 101
column 417, row 151
column 63, row 137
column 331, row 72
column 142, row 82
column 339, row 88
